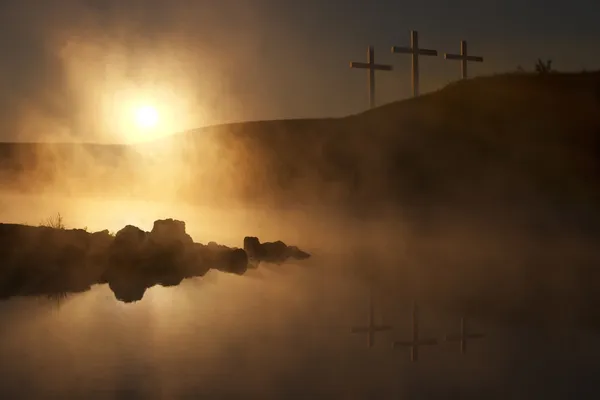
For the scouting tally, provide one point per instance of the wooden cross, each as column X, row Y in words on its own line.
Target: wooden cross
column 371, row 329
column 416, row 341
column 463, row 336
column 372, row 67
column 416, row 52
column 464, row 57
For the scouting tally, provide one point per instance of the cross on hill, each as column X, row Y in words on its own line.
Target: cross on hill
column 371, row 329
column 416, row 341
column 415, row 51
column 372, row 67
column 463, row 57
column 463, row 336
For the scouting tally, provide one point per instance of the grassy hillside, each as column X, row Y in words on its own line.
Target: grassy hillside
column 510, row 138
column 486, row 141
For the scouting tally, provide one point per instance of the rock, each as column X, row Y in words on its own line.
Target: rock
column 274, row 252
column 100, row 242
column 131, row 237
column 214, row 246
column 271, row 252
column 13, row 239
column 39, row 260
column 297, row 254
column 127, row 247
column 197, row 262
column 252, row 247
column 223, row 258
column 234, row 261
column 168, row 232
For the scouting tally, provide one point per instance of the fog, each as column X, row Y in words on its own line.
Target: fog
column 369, row 205
column 284, row 331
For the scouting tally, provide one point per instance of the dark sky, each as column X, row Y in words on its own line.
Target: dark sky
column 207, row 61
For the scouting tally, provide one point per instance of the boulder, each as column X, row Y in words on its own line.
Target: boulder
column 40, row 260
column 127, row 247
column 297, row 254
column 131, row 237
column 223, row 258
column 252, row 247
column 234, row 261
column 100, row 242
column 272, row 252
column 169, row 232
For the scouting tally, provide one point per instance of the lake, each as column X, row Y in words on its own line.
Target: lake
column 272, row 333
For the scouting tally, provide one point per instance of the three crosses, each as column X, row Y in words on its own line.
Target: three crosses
column 416, row 341
column 415, row 51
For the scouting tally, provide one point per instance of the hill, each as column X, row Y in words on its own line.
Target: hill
column 518, row 139
column 486, row 141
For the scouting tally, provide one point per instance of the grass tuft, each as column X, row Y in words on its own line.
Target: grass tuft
column 54, row 221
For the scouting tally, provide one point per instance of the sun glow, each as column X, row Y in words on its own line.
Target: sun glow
column 146, row 117
column 143, row 116
column 139, row 97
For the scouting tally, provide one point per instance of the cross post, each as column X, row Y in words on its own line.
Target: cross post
column 463, row 336
column 415, row 51
column 371, row 329
column 372, row 67
column 416, row 341
column 464, row 57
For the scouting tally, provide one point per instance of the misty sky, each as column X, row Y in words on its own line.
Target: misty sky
column 64, row 62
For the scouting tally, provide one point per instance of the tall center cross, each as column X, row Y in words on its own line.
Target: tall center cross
column 463, row 336
column 464, row 57
column 372, row 67
column 371, row 329
column 416, row 341
column 416, row 52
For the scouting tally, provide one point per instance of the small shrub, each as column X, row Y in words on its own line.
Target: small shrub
column 55, row 221
column 543, row 68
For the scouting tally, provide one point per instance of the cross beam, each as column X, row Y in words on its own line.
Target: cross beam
column 371, row 329
column 464, row 57
column 463, row 336
column 372, row 67
column 416, row 341
column 416, row 51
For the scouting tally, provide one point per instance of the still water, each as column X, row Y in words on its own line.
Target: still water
column 273, row 333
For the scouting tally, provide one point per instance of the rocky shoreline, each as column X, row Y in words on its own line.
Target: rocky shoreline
column 46, row 261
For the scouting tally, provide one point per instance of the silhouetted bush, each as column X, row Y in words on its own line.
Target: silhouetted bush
column 55, row 221
column 543, row 67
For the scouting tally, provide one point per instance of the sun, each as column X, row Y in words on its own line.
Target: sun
column 146, row 117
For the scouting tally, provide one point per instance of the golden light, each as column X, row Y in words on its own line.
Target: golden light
column 146, row 117
column 158, row 100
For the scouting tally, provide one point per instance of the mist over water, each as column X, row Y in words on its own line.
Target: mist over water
column 277, row 331
column 282, row 336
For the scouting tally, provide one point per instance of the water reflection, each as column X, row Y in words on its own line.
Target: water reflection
column 285, row 336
